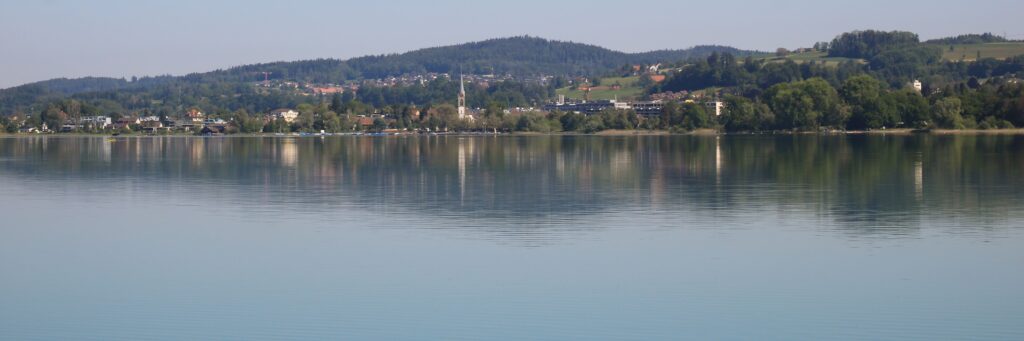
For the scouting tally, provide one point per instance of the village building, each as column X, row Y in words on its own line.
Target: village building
column 715, row 107
column 126, row 122
column 328, row 90
column 153, row 126
column 213, row 121
column 288, row 115
column 648, row 108
column 585, row 107
column 195, row 115
column 95, row 122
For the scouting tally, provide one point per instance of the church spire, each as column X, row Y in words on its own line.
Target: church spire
column 462, row 96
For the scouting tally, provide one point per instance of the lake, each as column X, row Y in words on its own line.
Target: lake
column 512, row 237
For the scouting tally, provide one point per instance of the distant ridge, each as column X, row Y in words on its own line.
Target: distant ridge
column 519, row 56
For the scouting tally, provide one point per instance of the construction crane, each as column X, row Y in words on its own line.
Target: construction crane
column 266, row 78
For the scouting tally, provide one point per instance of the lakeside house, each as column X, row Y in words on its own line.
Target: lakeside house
column 126, row 122
column 195, row 115
column 214, row 121
column 96, row 122
column 288, row 115
column 214, row 129
column 153, row 126
column 365, row 122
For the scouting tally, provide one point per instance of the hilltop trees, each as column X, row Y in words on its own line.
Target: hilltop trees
column 716, row 70
column 969, row 39
column 902, row 65
column 868, row 44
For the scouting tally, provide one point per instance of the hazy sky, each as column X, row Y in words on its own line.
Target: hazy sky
column 43, row 39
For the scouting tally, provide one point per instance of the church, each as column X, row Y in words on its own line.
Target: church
column 462, row 98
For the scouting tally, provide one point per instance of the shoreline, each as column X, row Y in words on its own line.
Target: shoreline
column 607, row 133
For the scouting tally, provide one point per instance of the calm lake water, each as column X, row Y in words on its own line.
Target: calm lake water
column 735, row 237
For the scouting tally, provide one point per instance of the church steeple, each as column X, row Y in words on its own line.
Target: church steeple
column 462, row 96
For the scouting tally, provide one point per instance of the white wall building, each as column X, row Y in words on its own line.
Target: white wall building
column 288, row 115
column 716, row 107
column 96, row 121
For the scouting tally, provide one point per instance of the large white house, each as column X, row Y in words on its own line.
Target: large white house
column 288, row 115
column 96, row 121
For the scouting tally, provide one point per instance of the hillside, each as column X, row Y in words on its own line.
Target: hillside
column 970, row 52
column 517, row 56
column 622, row 88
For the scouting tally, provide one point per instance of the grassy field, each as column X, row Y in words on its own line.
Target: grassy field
column 967, row 52
column 628, row 90
column 970, row 52
column 821, row 57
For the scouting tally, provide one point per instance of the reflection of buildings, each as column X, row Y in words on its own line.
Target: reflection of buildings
column 198, row 151
column 919, row 180
column 542, row 179
column 718, row 159
column 465, row 151
column 289, row 152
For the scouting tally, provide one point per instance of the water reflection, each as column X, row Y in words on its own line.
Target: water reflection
column 866, row 185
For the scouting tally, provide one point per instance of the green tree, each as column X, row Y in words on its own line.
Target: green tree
column 864, row 95
column 805, row 105
column 671, row 115
column 695, row 116
column 743, row 115
column 826, row 102
column 337, row 105
column 911, row 108
column 946, row 113
column 379, row 124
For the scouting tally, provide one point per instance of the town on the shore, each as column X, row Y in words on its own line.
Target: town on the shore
column 437, row 120
column 860, row 81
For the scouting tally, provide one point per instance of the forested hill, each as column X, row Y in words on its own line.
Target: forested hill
column 518, row 56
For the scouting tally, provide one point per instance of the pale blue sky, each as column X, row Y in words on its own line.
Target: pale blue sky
column 43, row 39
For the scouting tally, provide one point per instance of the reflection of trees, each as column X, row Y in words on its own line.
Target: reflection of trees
column 869, row 183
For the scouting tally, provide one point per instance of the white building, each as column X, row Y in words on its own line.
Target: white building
column 288, row 115
column 100, row 122
column 715, row 107
column 917, row 85
column 591, row 107
column 462, row 97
